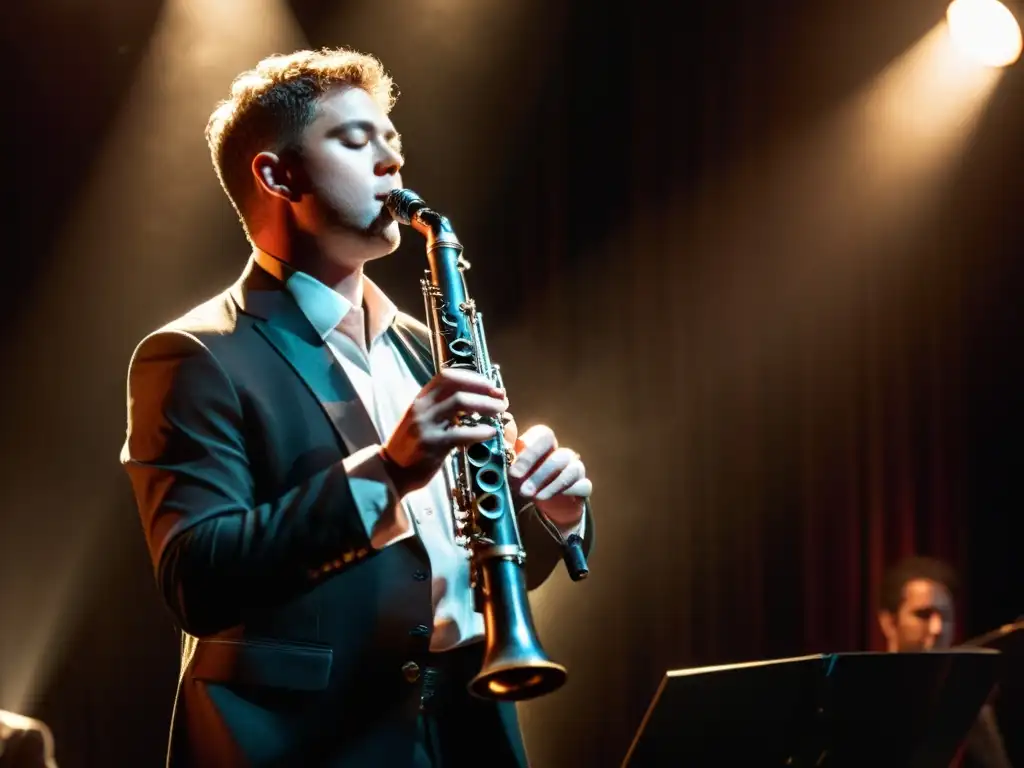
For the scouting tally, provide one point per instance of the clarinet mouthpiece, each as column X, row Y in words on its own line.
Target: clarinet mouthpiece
column 403, row 205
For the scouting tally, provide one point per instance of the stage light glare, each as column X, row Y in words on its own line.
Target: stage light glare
column 985, row 30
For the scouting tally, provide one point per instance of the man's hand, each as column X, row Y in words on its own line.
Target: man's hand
column 428, row 432
column 553, row 478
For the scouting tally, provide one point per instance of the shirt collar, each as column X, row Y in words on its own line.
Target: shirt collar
column 326, row 309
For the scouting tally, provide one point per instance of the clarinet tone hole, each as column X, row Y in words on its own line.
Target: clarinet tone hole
column 489, row 479
column 479, row 454
column 461, row 347
column 489, row 505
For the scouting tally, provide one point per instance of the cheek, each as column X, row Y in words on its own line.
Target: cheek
column 339, row 176
column 911, row 626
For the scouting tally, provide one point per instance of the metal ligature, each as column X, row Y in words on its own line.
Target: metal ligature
column 515, row 666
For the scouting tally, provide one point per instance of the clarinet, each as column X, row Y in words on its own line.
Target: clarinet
column 515, row 666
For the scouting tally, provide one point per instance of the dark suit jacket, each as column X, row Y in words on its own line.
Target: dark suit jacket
column 25, row 743
column 983, row 747
column 297, row 635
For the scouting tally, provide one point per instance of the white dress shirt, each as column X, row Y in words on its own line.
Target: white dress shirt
column 386, row 386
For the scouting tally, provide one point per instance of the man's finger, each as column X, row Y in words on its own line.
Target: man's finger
column 561, row 482
column 548, row 471
column 451, row 380
column 510, row 430
column 581, row 488
column 466, row 402
column 537, row 442
column 463, row 437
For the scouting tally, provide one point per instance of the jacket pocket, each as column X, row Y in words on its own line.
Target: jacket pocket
column 259, row 662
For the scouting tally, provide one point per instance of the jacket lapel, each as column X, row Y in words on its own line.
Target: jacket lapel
column 289, row 332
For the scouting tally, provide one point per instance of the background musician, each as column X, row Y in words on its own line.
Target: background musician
column 285, row 445
column 918, row 614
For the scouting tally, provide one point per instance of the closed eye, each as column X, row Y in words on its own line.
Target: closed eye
column 358, row 134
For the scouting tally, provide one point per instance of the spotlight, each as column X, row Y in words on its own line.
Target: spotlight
column 985, row 30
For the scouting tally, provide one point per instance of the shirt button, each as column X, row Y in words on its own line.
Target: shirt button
column 420, row 575
column 411, row 670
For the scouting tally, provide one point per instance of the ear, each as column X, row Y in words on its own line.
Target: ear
column 274, row 176
column 887, row 622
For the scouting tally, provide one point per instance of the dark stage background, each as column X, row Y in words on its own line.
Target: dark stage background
column 781, row 377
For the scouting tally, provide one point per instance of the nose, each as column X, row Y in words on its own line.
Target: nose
column 390, row 162
column 935, row 625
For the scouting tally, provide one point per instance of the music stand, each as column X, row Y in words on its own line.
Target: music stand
column 1008, row 703
column 842, row 710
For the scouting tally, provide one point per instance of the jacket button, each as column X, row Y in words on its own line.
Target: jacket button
column 411, row 670
column 420, row 575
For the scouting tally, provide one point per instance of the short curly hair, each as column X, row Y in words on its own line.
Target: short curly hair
column 911, row 569
column 273, row 102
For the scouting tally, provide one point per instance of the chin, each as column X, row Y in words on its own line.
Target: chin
column 369, row 243
column 379, row 247
column 391, row 235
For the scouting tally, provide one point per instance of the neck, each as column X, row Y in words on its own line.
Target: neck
column 329, row 262
column 349, row 286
